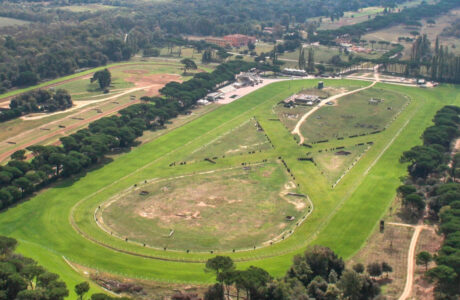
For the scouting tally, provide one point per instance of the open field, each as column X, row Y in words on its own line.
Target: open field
column 390, row 246
column 90, row 103
column 362, row 15
column 334, row 163
column 392, row 33
column 243, row 139
column 87, row 7
column 11, row 22
column 354, row 115
column 59, row 222
column 206, row 211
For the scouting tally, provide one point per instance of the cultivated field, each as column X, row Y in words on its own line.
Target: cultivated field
column 60, row 222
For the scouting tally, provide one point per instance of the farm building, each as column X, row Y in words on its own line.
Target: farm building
column 239, row 40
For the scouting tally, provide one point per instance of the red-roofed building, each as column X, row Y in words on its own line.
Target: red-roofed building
column 239, row 40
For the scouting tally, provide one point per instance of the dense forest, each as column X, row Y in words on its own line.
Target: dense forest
column 409, row 16
column 60, row 42
column 453, row 30
column 317, row 274
column 22, row 278
column 87, row 147
column 36, row 101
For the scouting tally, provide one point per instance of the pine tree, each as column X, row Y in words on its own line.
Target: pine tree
column 311, row 60
column 301, row 58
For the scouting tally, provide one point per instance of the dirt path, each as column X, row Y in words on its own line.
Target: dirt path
column 4, row 102
column 83, row 103
column 411, row 264
column 411, row 258
column 332, row 98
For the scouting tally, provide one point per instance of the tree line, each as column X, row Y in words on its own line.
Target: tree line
column 37, row 101
column 317, row 274
column 21, row 278
column 60, row 42
column 408, row 16
column 433, row 184
column 87, row 147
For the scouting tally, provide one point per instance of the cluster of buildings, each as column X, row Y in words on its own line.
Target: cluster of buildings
column 243, row 79
column 234, row 40
column 247, row 79
column 302, row 99
column 345, row 41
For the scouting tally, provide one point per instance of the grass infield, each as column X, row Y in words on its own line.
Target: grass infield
column 59, row 223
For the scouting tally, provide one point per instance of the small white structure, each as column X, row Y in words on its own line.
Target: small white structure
column 214, row 96
column 202, row 102
column 295, row 72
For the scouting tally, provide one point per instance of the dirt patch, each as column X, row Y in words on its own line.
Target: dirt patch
column 152, row 83
column 136, row 72
column 390, row 246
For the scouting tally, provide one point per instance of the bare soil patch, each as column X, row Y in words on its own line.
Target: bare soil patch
column 152, row 83
column 207, row 211
column 392, row 247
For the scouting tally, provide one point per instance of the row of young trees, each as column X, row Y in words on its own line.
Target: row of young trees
column 37, row 101
column 433, row 182
column 317, row 274
column 83, row 149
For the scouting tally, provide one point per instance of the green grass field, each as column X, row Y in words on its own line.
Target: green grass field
column 334, row 163
column 59, row 223
column 354, row 115
column 207, row 211
column 239, row 140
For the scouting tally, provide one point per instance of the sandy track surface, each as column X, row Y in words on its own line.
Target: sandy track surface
column 81, row 104
column 65, row 131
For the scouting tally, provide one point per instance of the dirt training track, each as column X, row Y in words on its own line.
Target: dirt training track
column 150, row 84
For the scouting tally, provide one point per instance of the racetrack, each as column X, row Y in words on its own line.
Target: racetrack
column 60, row 221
